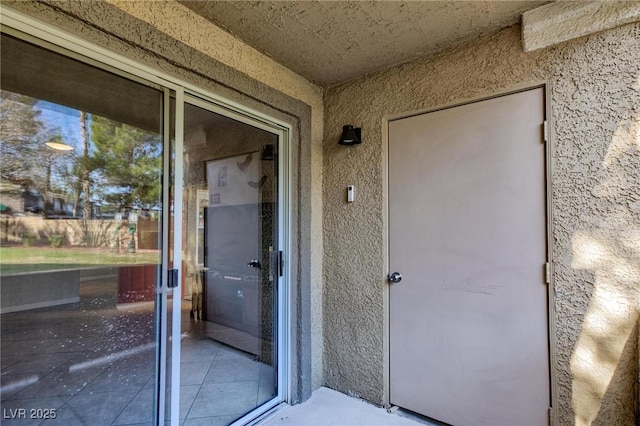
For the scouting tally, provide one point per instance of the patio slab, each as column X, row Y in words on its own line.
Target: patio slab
column 327, row 407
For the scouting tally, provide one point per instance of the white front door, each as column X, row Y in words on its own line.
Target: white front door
column 467, row 232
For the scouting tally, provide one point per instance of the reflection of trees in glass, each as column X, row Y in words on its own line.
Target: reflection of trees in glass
column 119, row 165
column 19, row 129
column 129, row 162
column 25, row 159
column 84, row 172
column 79, row 176
column 51, row 164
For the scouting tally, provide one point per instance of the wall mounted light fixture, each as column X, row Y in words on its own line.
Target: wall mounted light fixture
column 350, row 135
column 268, row 152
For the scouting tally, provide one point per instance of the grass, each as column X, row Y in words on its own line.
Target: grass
column 29, row 259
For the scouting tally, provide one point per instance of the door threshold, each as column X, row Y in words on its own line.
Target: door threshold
column 418, row 418
column 262, row 417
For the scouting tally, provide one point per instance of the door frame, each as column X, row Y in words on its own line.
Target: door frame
column 209, row 104
column 548, row 161
column 49, row 37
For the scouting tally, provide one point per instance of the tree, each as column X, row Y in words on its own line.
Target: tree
column 84, row 177
column 25, row 159
column 129, row 161
column 78, row 174
column 19, row 130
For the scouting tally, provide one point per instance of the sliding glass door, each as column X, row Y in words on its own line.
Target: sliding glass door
column 82, row 204
column 141, row 246
column 231, row 265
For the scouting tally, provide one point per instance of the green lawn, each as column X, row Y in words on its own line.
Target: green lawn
column 28, row 259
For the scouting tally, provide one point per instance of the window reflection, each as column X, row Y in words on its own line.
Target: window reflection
column 229, row 306
column 80, row 215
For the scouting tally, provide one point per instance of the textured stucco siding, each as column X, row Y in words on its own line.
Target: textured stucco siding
column 557, row 22
column 595, row 116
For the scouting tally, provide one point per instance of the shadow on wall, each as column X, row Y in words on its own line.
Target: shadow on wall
column 611, row 252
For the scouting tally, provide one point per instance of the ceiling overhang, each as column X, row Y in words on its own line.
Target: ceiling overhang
column 329, row 42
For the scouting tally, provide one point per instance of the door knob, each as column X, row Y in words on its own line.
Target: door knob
column 254, row 264
column 395, row 277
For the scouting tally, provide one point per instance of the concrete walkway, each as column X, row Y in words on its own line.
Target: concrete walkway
column 327, row 407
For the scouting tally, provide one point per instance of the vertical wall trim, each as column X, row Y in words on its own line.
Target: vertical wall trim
column 551, row 293
column 386, row 288
column 302, row 288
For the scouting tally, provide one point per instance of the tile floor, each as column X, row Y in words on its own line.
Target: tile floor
column 220, row 384
column 93, row 363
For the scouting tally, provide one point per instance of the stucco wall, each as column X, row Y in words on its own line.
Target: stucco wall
column 595, row 116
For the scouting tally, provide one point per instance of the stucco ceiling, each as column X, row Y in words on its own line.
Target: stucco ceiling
column 329, row 42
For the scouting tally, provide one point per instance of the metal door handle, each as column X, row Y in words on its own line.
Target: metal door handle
column 395, row 277
column 254, row 264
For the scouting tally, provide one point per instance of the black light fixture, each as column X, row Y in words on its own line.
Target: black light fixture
column 268, row 152
column 350, row 136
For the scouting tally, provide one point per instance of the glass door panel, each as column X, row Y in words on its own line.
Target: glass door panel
column 81, row 214
column 230, row 266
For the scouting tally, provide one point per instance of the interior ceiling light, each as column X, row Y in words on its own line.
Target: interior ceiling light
column 59, row 146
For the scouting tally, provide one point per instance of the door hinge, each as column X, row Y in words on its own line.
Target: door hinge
column 545, row 131
column 547, row 273
column 172, row 278
column 550, row 415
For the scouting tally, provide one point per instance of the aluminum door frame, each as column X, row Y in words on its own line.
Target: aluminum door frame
column 549, row 167
column 33, row 31
column 205, row 102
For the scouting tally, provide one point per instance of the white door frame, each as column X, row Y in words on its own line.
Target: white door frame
column 45, row 35
column 202, row 101
column 549, row 150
